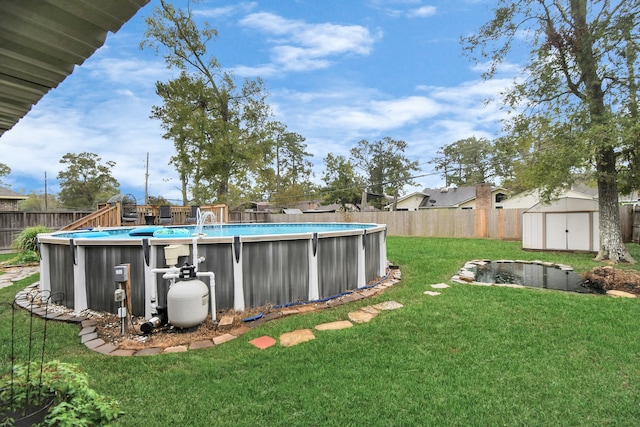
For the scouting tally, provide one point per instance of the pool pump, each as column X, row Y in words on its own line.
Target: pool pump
column 160, row 319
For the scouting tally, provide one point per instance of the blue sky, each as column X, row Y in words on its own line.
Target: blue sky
column 337, row 72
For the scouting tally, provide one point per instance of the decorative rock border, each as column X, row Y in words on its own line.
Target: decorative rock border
column 89, row 336
column 467, row 276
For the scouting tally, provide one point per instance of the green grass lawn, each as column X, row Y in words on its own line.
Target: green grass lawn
column 471, row 356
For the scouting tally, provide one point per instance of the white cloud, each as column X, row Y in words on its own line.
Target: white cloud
column 300, row 46
column 422, row 12
column 219, row 12
column 127, row 71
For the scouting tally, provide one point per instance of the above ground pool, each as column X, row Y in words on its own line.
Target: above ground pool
column 247, row 265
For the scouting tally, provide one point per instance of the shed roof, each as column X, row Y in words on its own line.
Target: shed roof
column 41, row 41
column 566, row 204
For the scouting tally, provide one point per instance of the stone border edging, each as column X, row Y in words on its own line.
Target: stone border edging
column 89, row 335
column 468, row 277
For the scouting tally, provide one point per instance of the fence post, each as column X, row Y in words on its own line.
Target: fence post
column 482, row 223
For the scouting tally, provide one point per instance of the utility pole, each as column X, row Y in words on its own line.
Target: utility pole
column 45, row 191
column 146, row 182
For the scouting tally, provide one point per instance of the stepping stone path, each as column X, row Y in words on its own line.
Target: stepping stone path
column 362, row 316
column 89, row 336
column 290, row 339
column 334, row 326
column 15, row 274
column 263, row 342
column 388, row 305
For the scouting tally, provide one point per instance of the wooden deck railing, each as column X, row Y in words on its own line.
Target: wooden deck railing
column 111, row 216
column 106, row 216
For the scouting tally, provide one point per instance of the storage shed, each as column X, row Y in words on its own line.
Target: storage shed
column 567, row 224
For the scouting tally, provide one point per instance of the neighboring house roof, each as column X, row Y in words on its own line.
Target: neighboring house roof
column 42, row 42
column 336, row 207
column 447, row 197
column 7, row 194
column 324, row 209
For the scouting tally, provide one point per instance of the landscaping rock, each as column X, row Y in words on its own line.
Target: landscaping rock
column 388, row 305
column 621, row 294
column 263, row 342
column 290, row 339
column 334, row 326
column 431, row 293
column 360, row 316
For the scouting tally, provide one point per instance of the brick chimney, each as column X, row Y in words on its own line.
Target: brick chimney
column 483, row 196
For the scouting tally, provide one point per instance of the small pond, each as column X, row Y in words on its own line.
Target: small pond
column 532, row 275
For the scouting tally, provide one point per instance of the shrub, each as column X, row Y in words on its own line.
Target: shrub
column 27, row 239
column 27, row 243
column 74, row 403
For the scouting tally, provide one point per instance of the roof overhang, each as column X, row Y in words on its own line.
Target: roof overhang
column 41, row 41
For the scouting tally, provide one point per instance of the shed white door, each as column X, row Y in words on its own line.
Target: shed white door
column 568, row 231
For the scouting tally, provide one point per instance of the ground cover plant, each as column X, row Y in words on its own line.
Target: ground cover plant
column 470, row 356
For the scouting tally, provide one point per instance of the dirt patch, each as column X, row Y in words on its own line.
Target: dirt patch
column 610, row 278
column 109, row 328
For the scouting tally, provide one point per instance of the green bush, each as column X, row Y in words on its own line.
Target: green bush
column 74, row 403
column 27, row 244
column 27, row 239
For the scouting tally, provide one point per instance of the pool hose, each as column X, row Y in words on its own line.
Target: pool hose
column 341, row 294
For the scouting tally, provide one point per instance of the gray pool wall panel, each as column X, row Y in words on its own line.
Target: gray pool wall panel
column 274, row 270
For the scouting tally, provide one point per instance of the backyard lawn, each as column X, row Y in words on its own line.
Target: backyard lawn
column 470, row 356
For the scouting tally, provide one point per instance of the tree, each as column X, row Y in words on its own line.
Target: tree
column 36, row 203
column 384, row 163
column 159, row 201
column 466, row 162
column 343, row 184
column 576, row 106
column 4, row 171
column 219, row 129
column 289, row 169
column 85, row 182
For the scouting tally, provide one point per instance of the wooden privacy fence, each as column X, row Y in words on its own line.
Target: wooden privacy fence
column 12, row 223
column 503, row 224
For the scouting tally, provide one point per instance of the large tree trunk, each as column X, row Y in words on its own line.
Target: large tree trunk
column 611, row 243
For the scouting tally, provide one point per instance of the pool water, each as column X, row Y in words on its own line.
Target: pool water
column 223, row 230
column 531, row 275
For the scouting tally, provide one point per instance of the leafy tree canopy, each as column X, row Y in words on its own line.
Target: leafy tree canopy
column 575, row 106
column 467, row 162
column 343, row 184
column 86, row 181
column 219, row 128
column 35, row 202
column 4, row 171
column 385, row 165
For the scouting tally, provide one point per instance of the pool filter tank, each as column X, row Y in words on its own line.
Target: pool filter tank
column 187, row 300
